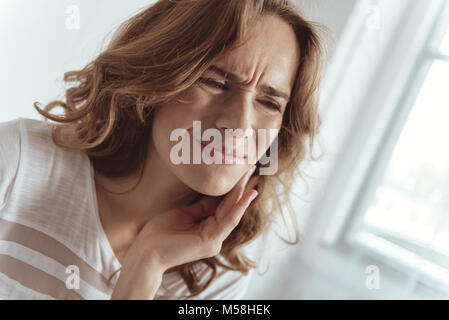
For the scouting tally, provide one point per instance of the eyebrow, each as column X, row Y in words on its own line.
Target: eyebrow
column 235, row 78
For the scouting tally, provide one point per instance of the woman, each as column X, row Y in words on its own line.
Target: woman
column 98, row 207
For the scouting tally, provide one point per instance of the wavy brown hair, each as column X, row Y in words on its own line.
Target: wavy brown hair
column 159, row 53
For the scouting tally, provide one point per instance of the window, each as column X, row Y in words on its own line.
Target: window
column 403, row 210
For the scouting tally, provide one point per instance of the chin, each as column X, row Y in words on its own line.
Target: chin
column 214, row 186
column 215, row 189
column 213, row 182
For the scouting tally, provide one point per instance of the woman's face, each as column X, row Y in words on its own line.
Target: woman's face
column 268, row 59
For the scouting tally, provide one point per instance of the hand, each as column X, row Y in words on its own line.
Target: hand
column 195, row 232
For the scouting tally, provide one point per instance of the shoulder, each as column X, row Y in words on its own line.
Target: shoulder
column 20, row 136
column 17, row 133
column 10, row 150
column 27, row 151
column 9, row 137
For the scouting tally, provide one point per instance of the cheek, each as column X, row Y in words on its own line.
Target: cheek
column 180, row 112
column 164, row 122
column 265, row 137
column 190, row 101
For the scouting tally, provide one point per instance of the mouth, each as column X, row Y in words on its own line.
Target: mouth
column 224, row 153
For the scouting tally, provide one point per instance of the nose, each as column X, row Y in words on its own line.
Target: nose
column 237, row 113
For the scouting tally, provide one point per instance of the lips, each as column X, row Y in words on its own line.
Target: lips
column 232, row 154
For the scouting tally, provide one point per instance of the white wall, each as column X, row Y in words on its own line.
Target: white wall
column 37, row 47
column 332, row 13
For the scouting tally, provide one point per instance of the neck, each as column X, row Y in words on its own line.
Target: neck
column 158, row 191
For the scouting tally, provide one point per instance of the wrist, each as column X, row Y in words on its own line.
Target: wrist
column 147, row 257
column 139, row 281
column 140, row 277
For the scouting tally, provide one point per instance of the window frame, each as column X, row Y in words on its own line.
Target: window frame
column 342, row 229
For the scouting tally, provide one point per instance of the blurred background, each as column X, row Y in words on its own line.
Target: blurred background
column 373, row 212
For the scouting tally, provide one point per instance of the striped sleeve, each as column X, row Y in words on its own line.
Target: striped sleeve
column 13, row 290
column 39, row 263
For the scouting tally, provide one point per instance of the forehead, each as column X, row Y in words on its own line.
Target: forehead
column 269, row 50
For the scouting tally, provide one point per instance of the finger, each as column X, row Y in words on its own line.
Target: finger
column 211, row 228
column 234, row 195
column 242, row 187
column 203, row 208
column 208, row 205
column 252, row 183
column 232, row 219
column 237, row 191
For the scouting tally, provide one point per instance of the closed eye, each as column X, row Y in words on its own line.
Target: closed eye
column 271, row 105
column 222, row 86
column 213, row 83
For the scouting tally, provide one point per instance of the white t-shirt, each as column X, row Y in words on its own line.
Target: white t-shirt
column 50, row 230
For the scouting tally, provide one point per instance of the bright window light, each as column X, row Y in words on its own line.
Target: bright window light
column 445, row 45
column 412, row 201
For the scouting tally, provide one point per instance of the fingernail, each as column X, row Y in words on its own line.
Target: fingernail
column 253, row 196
